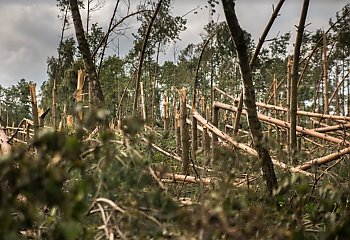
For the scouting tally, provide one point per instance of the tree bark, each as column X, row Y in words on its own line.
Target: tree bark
column 166, row 114
column 281, row 123
column 324, row 160
column 185, row 144
column 253, row 60
column 98, row 98
column 279, row 108
column 34, row 108
column 214, row 140
column 5, row 146
column 79, row 92
column 231, row 142
column 249, row 94
column 294, row 82
column 154, row 85
column 325, row 76
column 238, row 114
column 177, row 132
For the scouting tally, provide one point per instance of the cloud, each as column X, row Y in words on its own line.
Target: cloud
column 29, row 34
column 30, row 28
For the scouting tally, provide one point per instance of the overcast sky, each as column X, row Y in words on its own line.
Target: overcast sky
column 30, row 29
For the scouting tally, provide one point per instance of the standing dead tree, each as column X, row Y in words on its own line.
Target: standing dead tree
column 185, row 144
column 294, row 81
column 34, row 108
column 249, row 94
column 5, row 146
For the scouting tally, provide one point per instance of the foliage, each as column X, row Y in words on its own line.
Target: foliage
column 58, row 193
column 15, row 103
column 72, row 185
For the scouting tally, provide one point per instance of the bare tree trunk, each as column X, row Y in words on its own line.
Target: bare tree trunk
column 289, row 77
column 166, row 114
column 88, row 15
column 84, row 48
column 142, row 55
column 238, row 114
column 275, row 102
column 177, row 132
column 281, row 123
column 206, row 138
column 143, row 103
column 338, row 107
column 214, row 140
column 5, row 146
column 154, row 85
column 249, row 94
column 42, row 117
column 34, row 108
column 325, row 76
column 348, row 103
column 254, row 58
column 185, row 145
column 79, row 92
column 294, row 82
column 54, row 103
column 288, row 83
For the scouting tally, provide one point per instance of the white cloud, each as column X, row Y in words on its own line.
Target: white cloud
column 30, row 28
column 28, row 35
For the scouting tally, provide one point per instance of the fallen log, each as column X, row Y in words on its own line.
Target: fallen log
column 226, row 94
column 304, row 113
column 242, row 146
column 323, row 160
column 172, row 177
column 223, row 135
column 332, row 128
column 287, row 125
column 179, row 178
column 299, row 112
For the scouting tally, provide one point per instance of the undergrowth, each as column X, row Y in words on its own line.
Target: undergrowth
column 69, row 186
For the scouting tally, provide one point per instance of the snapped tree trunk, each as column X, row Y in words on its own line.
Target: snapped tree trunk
column 34, row 108
column 294, row 82
column 249, row 94
column 185, row 144
column 5, row 146
column 98, row 98
column 325, row 76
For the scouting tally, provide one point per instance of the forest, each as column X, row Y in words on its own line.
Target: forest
column 229, row 138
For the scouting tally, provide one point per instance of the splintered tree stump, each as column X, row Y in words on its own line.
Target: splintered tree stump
column 177, row 133
column 166, row 114
column 34, row 107
column 5, row 147
column 185, row 143
column 79, row 93
column 215, row 138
